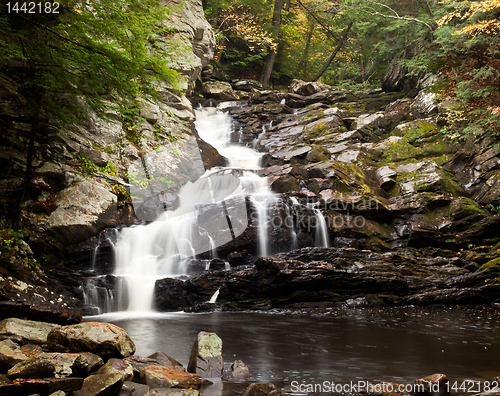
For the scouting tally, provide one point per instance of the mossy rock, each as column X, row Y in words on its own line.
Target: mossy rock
column 490, row 271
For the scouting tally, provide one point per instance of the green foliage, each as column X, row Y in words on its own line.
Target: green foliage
column 11, row 246
column 466, row 53
column 89, row 167
column 131, row 117
column 99, row 52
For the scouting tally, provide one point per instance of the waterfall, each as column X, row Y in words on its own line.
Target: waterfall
column 163, row 248
column 213, row 299
column 98, row 296
column 291, row 225
column 321, row 238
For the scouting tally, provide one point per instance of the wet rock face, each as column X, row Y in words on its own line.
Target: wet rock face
column 324, row 277
column 83, row 210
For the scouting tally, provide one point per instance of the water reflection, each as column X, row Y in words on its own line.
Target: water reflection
column 397, row 344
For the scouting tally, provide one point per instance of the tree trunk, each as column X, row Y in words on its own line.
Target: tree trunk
column 305, row 56
column 220, row 50
column 281, row 45
column 337, row 49
column 268, row 69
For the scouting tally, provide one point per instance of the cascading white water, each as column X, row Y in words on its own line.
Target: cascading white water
column 213, row 299
column 321, row 238
column 161, row 249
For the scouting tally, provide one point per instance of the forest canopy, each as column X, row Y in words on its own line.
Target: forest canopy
column 83, row 54
column 457, row 41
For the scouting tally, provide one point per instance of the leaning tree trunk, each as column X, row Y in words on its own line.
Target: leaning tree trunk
column 337, row 49
column 268, row 69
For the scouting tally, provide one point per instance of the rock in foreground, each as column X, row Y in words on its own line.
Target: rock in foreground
column 103, row 339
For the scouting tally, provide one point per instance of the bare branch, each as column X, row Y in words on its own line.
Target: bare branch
column 374, row 12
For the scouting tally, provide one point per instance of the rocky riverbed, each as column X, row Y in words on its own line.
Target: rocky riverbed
column 97, row 358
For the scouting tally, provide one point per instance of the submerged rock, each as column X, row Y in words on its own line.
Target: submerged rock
column 265, row 389
column 239, row 369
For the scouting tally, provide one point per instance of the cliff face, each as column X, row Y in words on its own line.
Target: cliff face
column 80, row 171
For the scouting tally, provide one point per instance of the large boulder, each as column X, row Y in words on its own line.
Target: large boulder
column 307, row 88
column 55, row 365
column 103, row 339
column 206, row 356
column 26, row 331
column 37, row 299
column 219, row 90
column 83, row 209
column 424, row 104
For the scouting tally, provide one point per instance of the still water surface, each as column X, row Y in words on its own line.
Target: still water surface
column 389, row 344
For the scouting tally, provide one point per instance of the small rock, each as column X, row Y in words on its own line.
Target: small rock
column 133, row 389
column 166, row 360
column 117, row 366
column 140, row 362
column 385, row 177
column 173, row 392
column 101, row 385
column 206, row 356
column 432, row 385
column 10, row 354
column 264, row 389
column 240, row 369
column 166, row 377
column 58, row 393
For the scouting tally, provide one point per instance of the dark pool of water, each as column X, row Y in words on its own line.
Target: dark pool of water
column 390, row 344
